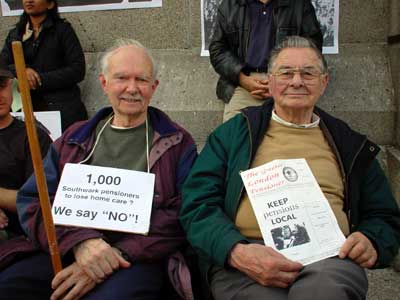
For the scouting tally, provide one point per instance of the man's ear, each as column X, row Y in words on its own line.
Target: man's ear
column 50, row 5
column 103, row 81
column 324, row 82
column 155, row 85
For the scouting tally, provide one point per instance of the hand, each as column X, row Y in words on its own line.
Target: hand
column 98, row 259
column 71, row 283
column 359, row 248
column 33, row 78
column 256, row 87
column 3, row 219
column 264, row 265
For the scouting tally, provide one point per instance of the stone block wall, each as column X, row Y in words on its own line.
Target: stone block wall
column 360, row 92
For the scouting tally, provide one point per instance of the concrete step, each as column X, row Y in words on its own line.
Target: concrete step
column 383, row 284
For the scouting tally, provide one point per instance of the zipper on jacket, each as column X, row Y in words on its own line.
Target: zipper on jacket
column 347, row 181
column 77, row 144
column 248, row 163
column 248, row 31
column 332, row 144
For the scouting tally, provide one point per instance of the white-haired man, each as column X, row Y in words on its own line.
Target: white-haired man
column 128, row 135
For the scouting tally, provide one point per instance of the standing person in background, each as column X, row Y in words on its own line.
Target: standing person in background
column 54, row 59
column 245, row 33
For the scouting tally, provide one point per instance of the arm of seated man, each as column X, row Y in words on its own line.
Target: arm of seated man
column 264, row 265
column 98, row 259
column 3, row 219
column 360, row 249
column 8, row 199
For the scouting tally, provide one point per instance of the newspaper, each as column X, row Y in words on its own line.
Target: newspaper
column 294, row 216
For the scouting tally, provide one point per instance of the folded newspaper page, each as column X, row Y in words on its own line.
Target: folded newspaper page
column 294, row 216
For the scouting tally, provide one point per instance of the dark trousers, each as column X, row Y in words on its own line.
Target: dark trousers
column 30, row 279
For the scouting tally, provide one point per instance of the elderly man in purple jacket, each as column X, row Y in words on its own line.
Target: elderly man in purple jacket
column 130, row 135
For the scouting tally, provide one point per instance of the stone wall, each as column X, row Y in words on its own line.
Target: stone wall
column 361, row 88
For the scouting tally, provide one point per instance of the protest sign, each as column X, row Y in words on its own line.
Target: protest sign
column 104, row 198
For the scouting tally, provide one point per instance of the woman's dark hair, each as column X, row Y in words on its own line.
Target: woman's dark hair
column 51, row 13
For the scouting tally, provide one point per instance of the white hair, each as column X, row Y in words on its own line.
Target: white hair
column 122, row 43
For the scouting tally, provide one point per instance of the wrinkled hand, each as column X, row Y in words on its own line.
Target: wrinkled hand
column 264, row 265
column 3, row 219
column 98, row 259
column 257, row 88
column 359, row 248
column 71, row 283
column 33, row 78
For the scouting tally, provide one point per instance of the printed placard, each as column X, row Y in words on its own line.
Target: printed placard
column 294, row 216
column 104, row 198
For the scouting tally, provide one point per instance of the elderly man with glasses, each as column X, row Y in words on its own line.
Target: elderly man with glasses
column 220, row 222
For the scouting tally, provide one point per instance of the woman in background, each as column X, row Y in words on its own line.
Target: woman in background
column 54, row 59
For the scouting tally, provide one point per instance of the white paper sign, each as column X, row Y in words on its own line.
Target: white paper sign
column 50, row 121
column 104, row 198
column 294, row 216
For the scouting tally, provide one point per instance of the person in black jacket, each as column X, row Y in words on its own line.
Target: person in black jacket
column 244, row 35
column 54, row 59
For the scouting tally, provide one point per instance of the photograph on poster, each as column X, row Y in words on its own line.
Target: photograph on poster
column 14, row 7
column 327, row 13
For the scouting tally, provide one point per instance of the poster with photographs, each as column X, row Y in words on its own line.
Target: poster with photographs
column 327, row 13
column 294, row 216
column 14, row 7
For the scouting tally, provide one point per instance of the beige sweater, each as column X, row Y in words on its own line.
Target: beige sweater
column 282, row 142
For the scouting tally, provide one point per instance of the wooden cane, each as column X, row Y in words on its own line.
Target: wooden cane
column 36, row 156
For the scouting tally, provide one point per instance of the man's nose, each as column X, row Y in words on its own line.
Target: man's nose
column 132, row 86
column 297, row 80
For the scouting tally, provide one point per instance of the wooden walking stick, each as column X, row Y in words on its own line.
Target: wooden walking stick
column 36, row 156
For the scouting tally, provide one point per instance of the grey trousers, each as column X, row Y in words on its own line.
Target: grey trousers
column 329, row 279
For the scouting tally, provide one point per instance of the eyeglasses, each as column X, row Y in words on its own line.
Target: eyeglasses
column 308, row 74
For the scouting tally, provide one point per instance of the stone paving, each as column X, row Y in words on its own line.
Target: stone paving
column 384, row 284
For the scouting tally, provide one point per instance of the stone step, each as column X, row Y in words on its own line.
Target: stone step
column 383, row 284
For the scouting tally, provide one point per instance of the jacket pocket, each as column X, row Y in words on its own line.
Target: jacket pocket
column 232, row 35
